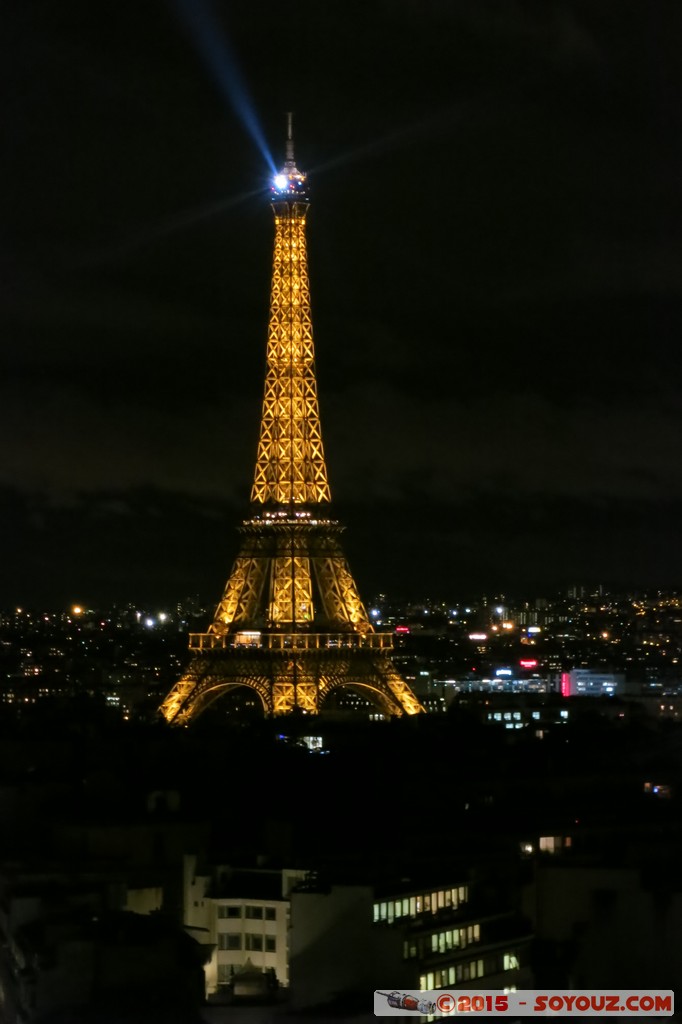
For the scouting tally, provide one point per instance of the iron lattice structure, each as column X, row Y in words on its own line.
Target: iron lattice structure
column 291, row 624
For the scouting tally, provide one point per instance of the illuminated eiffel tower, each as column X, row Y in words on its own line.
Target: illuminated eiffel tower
column 290, row 625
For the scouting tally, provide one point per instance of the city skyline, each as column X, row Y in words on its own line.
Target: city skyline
column 494, row 254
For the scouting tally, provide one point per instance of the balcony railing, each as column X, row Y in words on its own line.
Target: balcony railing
column 290, row 641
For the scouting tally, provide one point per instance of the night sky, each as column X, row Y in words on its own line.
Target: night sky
column 495, row 247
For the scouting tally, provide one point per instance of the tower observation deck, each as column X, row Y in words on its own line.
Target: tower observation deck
column 290, row 625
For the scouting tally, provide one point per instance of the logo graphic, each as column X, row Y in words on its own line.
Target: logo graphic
column 402, row 1001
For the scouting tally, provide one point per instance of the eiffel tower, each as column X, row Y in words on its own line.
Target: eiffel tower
column 291, row 624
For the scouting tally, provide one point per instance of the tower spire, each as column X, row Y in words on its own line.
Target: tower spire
column 291, row 624
column 290, row 140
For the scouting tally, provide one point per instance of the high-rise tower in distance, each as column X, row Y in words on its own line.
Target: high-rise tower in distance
column 291, row 624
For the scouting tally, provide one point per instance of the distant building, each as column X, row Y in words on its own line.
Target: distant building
column 349, row 938
column 587, row 682
column 538, row 712
column 241, row 916
column 606, row 925
column 65, row 952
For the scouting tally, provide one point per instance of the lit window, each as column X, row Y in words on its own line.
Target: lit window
column 510, row 962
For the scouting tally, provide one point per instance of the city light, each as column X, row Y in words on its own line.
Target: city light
column 478, row 636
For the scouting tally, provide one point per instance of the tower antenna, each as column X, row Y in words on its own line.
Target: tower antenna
column 290, row 137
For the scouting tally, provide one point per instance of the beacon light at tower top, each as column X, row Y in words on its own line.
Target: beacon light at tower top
column 288, row 183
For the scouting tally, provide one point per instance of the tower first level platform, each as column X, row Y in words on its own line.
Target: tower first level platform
column 289, row 671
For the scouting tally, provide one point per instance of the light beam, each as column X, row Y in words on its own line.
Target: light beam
column 210, row 40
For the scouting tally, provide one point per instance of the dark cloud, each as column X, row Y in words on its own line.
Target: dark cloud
column 142, row 544
column 495, row 245
column 157, row 547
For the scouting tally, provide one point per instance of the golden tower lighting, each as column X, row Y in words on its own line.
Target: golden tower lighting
column 291, row 624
